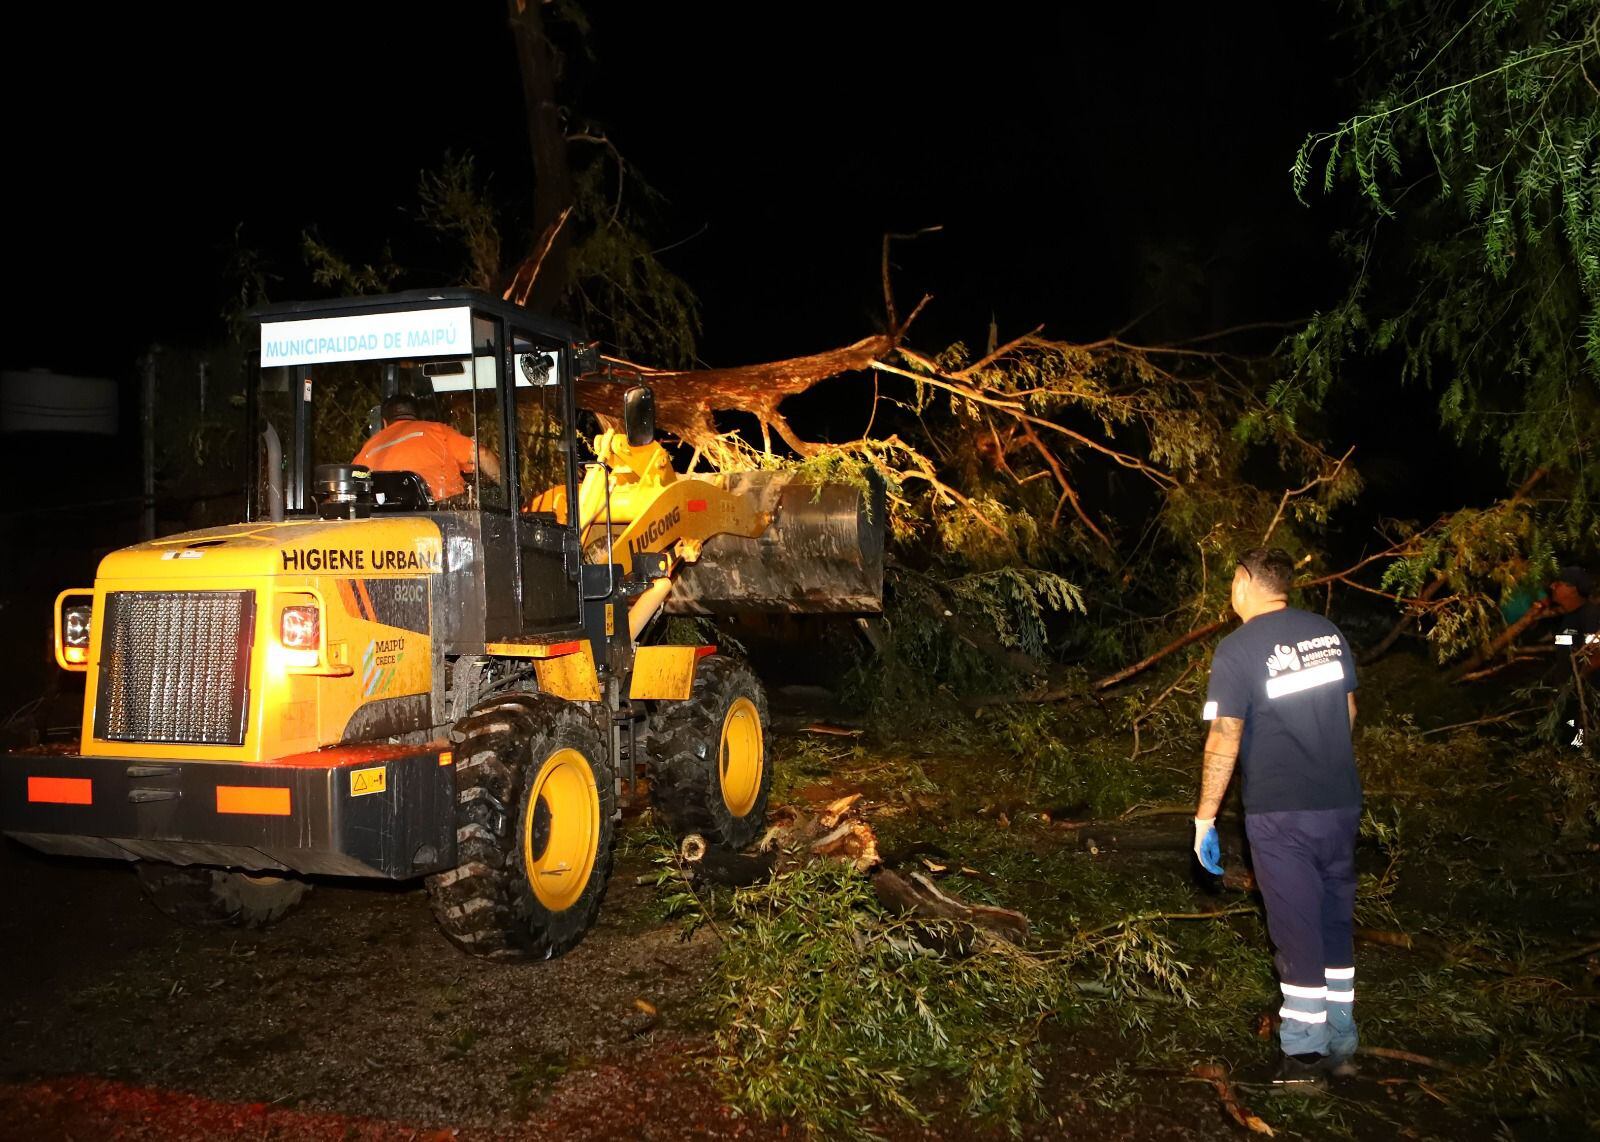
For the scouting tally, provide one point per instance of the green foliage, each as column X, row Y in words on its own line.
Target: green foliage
column 200, row 432
column 333, row 271
column 983, row 458
column 1489, row 290
column 833, row 1013
column 1046, row 758
column 979, row 633
column 618, row 288
column 451, row 203
column 1015, row 601
column 346, row 394
column 836, row 1015
column 1485, row 557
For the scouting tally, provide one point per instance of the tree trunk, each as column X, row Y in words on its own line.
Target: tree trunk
column 537, row 60
column 685, row 401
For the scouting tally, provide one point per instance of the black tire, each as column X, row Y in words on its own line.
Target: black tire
column 516, row 757
column 690, row 745
column 212, row 897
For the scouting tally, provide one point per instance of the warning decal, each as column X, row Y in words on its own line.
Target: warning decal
column 364, row 781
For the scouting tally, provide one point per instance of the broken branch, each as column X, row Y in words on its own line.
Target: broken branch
column 1154, row 706
column 919, row 896
column 1289, row 494
column 1150, row 660
column 1406, row 1057
column 1236, row 1110
column 1494, row 720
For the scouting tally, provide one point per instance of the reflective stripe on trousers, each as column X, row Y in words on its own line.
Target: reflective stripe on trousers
column 1305, row 866
column 1342, row 1037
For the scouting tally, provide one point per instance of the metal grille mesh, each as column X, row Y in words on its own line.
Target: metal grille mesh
column 175, row 666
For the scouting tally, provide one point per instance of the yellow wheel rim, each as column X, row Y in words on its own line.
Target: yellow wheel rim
column 740, row 760
column 561, row 830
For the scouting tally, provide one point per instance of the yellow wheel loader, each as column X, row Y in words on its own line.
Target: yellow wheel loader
column 374, row 675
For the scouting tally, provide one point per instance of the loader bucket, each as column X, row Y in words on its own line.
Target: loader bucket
column 821, row 554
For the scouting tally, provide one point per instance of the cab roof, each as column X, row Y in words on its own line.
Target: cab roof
column 419, row 299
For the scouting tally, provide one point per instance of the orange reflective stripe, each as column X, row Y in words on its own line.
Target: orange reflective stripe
column 268, row 800
column 61, row 790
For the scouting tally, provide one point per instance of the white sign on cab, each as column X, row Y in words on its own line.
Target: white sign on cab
column 367, row 337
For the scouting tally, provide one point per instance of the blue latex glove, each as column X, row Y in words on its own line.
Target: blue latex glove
column 1207, row 846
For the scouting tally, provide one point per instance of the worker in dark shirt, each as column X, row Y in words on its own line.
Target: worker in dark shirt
column 1576, row 615
column 1573, row 606
column 1281, row 703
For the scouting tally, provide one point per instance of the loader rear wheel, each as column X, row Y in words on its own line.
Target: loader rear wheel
column 709, row 772
column 535, row 809
column 216, row 896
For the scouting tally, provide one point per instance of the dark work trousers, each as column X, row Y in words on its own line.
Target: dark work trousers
column 1305, row 865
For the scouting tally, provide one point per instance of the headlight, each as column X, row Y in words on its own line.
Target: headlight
column 71, row 624
column 301, row 628
column 75, row 626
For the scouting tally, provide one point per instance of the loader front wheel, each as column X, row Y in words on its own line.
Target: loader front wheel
column 535, row 809
column 217, row 897
column 709, row 772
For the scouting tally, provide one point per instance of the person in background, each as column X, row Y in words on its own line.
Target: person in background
column 438, row 453
column 1577, row 606
column 1281, row 703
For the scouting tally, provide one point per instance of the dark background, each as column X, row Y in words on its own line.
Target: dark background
column 1086, row 165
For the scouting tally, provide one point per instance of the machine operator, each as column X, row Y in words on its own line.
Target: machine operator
column 438, row 453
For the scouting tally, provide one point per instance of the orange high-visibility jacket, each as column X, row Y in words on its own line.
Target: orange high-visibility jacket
column 434, row 451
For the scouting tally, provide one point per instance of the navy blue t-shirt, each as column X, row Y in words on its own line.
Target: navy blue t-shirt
column 1286, row 674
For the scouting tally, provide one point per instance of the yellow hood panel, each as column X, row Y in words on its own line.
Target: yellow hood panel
column 395, row 546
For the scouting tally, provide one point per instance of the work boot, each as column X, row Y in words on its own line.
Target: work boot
column 1340, row 1066
column 1305, row 1074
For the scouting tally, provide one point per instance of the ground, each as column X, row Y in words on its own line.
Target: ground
column 353, row 1018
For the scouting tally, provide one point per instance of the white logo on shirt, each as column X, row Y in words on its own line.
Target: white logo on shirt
column 1284, row 659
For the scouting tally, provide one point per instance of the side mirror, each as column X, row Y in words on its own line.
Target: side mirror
column 639, row 415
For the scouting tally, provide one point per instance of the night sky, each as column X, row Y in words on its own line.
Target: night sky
column 1084, row 168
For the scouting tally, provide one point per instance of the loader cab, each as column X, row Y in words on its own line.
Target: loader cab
column 490, row 380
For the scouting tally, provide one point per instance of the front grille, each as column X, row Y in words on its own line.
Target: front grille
column 175, row 667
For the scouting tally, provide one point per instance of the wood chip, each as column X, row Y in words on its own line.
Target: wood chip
column 853, row 841
column 836, row 809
